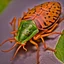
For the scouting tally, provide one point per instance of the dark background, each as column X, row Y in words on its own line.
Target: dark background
column 16, row 8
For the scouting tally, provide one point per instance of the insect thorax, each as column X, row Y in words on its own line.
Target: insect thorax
column 26, row 31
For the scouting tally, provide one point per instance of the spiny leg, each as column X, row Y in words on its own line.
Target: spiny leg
column 45, row 46
column 34, row 43
column 10, row 39
column 16, row 52
column 10, row 48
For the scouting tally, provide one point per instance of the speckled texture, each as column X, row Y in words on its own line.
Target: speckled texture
column 16, row 8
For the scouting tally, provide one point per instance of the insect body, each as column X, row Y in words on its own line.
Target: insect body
column 37, row 23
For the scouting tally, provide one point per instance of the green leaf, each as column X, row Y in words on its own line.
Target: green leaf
column 3, row 4
column 60, row 48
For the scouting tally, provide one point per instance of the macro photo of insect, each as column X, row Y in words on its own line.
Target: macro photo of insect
column 32, row 32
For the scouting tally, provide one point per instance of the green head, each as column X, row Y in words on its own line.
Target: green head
column 26, row 31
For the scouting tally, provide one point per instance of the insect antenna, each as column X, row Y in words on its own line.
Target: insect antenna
column 10, row 39
column 10, row 48
column 16, row 52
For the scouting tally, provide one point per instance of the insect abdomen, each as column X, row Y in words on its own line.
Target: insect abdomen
column 44, row 14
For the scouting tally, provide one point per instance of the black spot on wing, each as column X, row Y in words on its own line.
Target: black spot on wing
column 50, row 21
column 49, row 16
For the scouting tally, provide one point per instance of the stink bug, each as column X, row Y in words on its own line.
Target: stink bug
column 37, row 23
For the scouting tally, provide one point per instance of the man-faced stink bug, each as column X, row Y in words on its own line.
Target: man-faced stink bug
column 37, row 23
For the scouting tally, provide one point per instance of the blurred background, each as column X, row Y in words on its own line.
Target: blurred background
column 15, row 8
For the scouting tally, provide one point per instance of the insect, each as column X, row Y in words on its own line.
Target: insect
column 37, row 23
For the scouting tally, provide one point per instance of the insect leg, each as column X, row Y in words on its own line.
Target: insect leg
column 36, row 37
column 19, row 20
column 24, row 48
column 44, row 35
column 45, row 46
column 10, row 48
column 13, row 24
column 61, row 19
column 13, row 32
column 53, row 27
column 34, row 43
column 16, row 52
column 9, row 39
